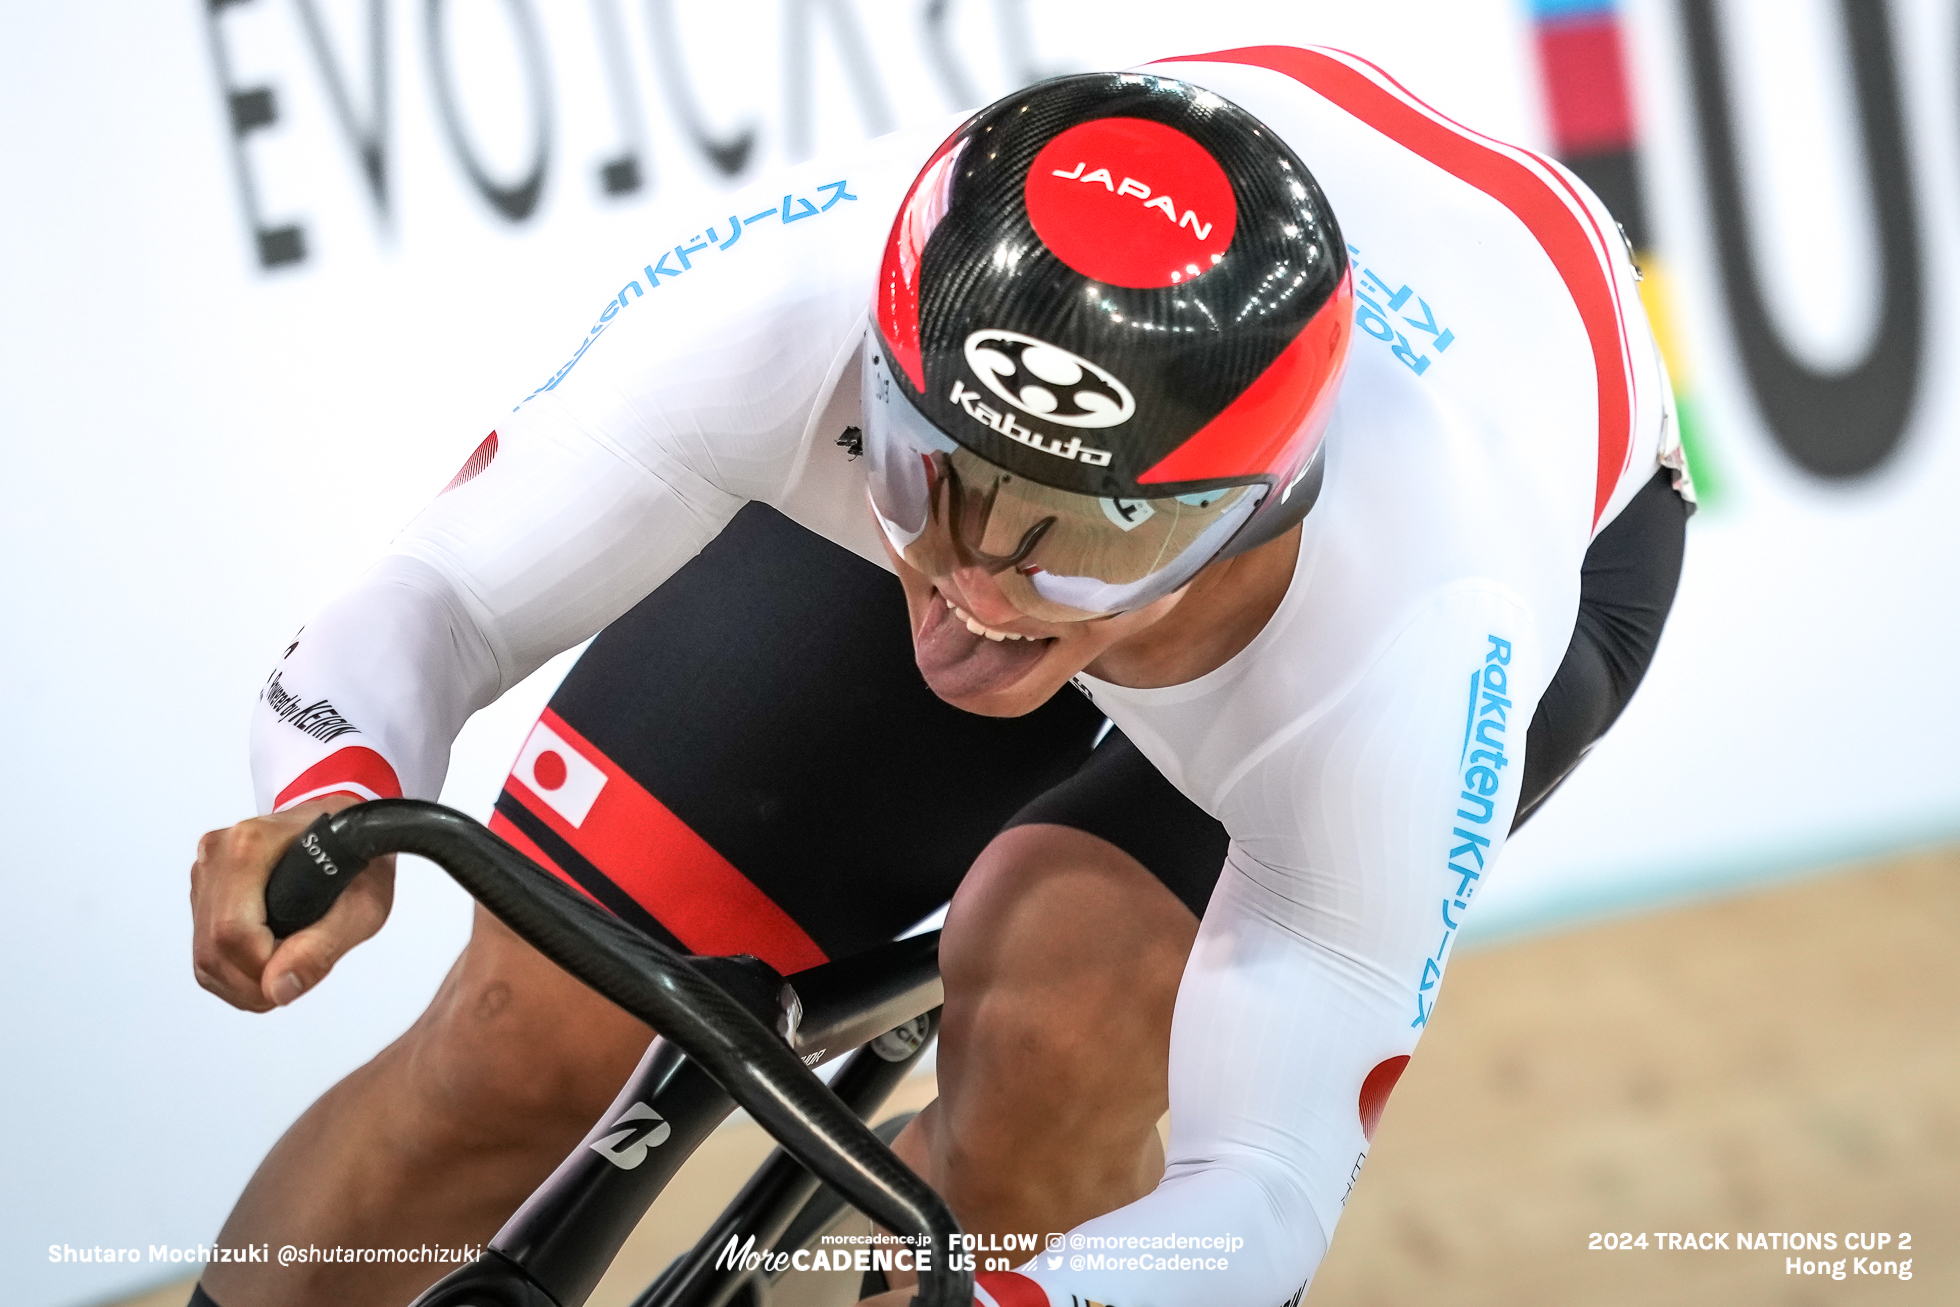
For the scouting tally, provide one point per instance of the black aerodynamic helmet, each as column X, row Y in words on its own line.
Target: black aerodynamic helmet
column 1110, row 322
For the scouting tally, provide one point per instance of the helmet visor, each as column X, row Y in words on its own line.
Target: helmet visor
column 1056, row 555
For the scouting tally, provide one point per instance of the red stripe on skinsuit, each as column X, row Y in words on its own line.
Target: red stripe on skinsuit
column 506, row 830
column 665, row 867
column 1538, row 203
column 354, row 764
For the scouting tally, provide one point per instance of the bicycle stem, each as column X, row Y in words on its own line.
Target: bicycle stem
column 657, row 985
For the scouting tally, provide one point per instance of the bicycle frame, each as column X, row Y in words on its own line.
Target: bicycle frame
column 715, row 1051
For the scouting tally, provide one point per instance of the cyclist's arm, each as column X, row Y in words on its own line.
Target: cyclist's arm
column 556, row 538
column 693, row 392
column 1316, row 964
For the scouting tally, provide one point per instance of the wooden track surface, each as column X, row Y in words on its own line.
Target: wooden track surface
column 1784, row 1061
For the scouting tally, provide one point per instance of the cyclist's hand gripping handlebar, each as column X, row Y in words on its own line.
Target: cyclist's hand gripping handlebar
column 647, row 979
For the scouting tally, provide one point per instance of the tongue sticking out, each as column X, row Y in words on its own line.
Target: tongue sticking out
column 958, row 664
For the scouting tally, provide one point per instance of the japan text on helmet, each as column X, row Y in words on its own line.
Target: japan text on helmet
column 1110, row 322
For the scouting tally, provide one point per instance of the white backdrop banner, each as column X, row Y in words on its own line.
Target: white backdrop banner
column 274, row 267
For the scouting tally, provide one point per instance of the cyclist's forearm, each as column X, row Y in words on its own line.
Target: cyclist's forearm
column 368, row 697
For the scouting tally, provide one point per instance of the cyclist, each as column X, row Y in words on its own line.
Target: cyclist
column 1079, row 394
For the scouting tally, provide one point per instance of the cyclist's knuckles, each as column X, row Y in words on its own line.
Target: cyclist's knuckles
column 257, row 842
column 208, row 845
column 220, row 981
column 240, row 940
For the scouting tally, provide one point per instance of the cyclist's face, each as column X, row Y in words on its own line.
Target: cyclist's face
column 1032, row 658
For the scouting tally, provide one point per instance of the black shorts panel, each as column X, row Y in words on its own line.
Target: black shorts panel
column 1120, row 796
column 1626, row 588
column 767, row 696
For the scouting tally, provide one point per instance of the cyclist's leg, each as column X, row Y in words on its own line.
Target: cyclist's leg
column 440, row 1136
column 1062, row 956
column 1627, row 588
column 1064, row 952
column 767, row 695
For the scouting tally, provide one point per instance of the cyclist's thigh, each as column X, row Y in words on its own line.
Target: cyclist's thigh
column 1626, row 588
column 510, row 1046
column 1073, row 929
column 749, row 760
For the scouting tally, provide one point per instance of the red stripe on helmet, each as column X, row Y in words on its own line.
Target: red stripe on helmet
column 896, row 305
column 1274, row 426
column 1554, row 215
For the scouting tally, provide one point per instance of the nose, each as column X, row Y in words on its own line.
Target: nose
column 980, row 595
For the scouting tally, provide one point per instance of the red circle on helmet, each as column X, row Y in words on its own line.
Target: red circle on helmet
column 1131, row 202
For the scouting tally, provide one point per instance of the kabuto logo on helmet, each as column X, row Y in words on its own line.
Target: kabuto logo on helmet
column 1047, row 381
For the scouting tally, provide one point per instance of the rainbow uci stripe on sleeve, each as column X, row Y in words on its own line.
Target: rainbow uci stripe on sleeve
column 1582, row 61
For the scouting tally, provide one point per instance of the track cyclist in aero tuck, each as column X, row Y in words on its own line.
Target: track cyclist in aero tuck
column 1186, row 518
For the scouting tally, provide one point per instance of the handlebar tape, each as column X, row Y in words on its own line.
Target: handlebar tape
column 309, row 877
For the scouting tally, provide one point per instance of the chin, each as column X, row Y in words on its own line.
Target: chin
column 1017, row 700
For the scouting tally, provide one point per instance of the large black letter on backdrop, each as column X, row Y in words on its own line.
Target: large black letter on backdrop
column 247, row 110
column 621, row 174
column 729, row 156
column 515, row 201
column 1843, row 424
column 370, row 137
column 799, row 74
column 1016, row 44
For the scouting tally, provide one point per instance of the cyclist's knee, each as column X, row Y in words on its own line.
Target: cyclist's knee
column 513, row 1049
column 1057, row 937
column 1052, row 905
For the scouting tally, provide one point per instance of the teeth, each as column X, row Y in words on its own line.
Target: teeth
column 979, row 628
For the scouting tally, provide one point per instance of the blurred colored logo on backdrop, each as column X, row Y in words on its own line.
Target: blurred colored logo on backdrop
column 1838, row 423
